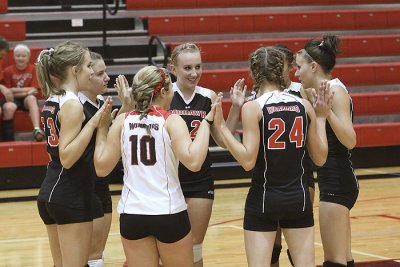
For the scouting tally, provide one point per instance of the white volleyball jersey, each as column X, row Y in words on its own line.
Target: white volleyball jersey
column 295, row 88
column 151, row 183
column 337, row 82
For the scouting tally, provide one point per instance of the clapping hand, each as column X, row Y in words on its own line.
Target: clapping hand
column 323, row 100
column 124, row 91
column 238, row 93
column 103, row 115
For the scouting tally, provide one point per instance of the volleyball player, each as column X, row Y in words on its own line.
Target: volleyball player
column 277, row 127
column 193, row 102
column 337, row 182
column 154, row 222
column 65, row 196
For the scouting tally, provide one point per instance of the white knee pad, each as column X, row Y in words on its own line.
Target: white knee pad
column 96, row 263
column 197, row 252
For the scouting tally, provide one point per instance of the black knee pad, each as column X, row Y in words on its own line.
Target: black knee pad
column 350, row 263
column 332, row 264
column 276, row 251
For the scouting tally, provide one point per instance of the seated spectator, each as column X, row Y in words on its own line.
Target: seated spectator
column 20, row 79
column 7, row 106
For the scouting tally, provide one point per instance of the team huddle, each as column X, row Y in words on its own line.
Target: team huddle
column 162, row 134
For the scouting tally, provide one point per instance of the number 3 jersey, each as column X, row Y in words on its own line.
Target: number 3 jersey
column 277, row 182
column 71, row 187
column 151, row 183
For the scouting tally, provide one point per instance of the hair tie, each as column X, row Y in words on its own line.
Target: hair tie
column 161, row 84
column 51, row 51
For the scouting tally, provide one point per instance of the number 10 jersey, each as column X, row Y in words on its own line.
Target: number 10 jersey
column 151, row 183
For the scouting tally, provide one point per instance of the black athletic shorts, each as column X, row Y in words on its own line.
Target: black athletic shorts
column 20, row 103
column 167, row 228
column 263, row 222
column 309, row 178
column 207, row 193
column 347, row 199
column 52, row 213
column 102, row 199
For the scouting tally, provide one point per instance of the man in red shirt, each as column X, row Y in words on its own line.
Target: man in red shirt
column 20, row 79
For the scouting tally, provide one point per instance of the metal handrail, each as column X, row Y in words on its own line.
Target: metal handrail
column 106, row 8
column 164, row 48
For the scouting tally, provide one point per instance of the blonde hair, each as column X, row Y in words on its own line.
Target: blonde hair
column 52, row 65
column 146, row 85
column 186, row 47
column 267, row 65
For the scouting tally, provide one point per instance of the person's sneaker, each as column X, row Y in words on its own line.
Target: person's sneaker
column 38, row 134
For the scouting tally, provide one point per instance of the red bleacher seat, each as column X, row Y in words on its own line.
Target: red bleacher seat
column 350, row 74
column 158, row 4
column 3, row 6
column 13, row 29
column 352, row 46
column 375, row 103
column 40, row 156
column 22, row 122
column 305, row 20
column 15, row 154
column 377, row 134
column 23, row 153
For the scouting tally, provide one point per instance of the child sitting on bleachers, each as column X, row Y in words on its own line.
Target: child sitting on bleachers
column 20, row 78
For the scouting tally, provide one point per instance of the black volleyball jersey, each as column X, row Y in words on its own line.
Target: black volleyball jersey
column 89, row 109
column 278, row 172
column 295, row 89
column 335, row 147
column 337, row 174
column 70, row 187
column 193, row 111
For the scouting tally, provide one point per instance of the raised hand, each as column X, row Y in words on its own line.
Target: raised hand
column 124, row 91
column 218, row 115
column 323, row 100
column 238, row 93
column 218, row 100
column 310, row 94
column 103, row 118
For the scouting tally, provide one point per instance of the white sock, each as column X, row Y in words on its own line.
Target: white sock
column 96, row 263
